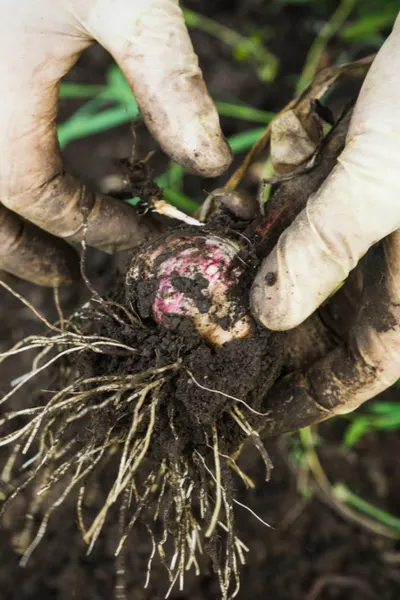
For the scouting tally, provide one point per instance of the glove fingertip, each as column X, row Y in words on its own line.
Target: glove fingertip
column 276, row 302
column 210, row 156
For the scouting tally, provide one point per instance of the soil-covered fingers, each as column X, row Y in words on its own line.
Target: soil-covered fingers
column 357, row 205
column 362, row 365
column 150, row 42
column 34, row 255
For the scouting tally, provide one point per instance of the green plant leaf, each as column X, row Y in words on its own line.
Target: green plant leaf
column 118, row 86
column 242, row 111
column 243, row 48
column 384, row 408
column 176, row 175
column 369, row 24
column 80, row 90
column 80, row 126
column 344, row 494
column 355, row 431
column 243, row 141
column 133, row 201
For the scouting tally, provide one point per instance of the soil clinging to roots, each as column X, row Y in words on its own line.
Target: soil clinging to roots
column 168, row 407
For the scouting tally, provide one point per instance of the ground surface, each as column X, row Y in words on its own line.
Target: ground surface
column 311, row 548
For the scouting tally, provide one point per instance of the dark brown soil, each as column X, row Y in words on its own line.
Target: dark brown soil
column 310, row 545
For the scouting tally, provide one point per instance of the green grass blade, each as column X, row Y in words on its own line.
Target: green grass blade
column 80, row 90
column 118, row 86
column 133, row 201
column 172, row 178
column 246, row 48
column 83, row 126
column 378, row 416
column 176, row 174
column 354, row 432
column 343, row 494
column 91, row 107
column 163, row 180
column 388, row 422
column 369, row 24
column 320, row 43
column 239, row 142
column 384, row 408
column 248, row 113
column 178, row 199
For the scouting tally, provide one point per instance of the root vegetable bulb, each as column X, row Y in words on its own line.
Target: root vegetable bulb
column 191, row 275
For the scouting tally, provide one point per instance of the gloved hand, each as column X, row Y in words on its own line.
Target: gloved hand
column 358, row 205
column 39, row 43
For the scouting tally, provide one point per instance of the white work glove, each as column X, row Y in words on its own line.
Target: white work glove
column 358, row 205
column 40, row 40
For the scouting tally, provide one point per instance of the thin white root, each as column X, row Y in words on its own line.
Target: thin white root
column 218, row 498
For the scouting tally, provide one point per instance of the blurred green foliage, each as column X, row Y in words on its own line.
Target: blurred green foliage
column 376, row 415
column 369, row 23
column 244, row 48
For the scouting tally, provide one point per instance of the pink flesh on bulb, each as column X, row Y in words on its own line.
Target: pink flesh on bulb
column 209, row 260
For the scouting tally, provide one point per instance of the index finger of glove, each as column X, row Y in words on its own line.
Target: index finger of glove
column 150, row 42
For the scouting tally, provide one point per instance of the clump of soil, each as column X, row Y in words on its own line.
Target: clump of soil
column 243, row 369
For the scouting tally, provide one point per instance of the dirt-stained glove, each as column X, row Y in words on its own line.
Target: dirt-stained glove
column 356, row 207
column 39, row 43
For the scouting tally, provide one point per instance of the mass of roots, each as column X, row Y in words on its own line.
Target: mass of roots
column 105, row 406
